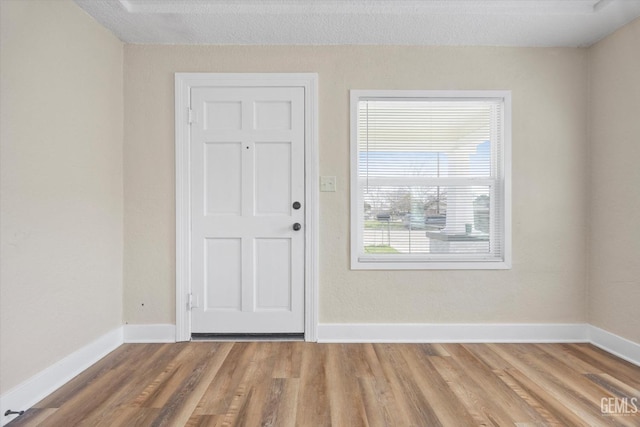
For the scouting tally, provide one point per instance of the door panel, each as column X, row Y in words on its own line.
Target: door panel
column 223, row 178
column 273, row 283
column 223, row 274
column 247, row 169
column 271, row 115
column 222, row 115
column 273, row 178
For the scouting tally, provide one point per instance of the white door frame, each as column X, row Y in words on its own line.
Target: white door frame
column 184, row 82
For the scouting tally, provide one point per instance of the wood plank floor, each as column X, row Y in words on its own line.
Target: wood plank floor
column 307, row 384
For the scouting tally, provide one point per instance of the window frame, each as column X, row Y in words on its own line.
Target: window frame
column 382, row 262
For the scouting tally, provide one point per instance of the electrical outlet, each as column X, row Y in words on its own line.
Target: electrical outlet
column 328, row 183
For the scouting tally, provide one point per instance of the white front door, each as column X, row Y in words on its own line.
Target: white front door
column 247, row 212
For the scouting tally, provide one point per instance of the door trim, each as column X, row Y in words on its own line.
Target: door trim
column 184, row 82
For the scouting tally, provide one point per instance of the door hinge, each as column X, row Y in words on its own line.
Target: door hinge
column 192, row 116
column 192, row 301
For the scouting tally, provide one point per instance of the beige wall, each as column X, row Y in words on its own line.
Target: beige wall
column 547, row 282
column 614, row 117
column 61, row 185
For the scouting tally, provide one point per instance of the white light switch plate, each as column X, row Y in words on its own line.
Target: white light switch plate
column 327, row 183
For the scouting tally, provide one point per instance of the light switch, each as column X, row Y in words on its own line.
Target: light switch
column 327, row 183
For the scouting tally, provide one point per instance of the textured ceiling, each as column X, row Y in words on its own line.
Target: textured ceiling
column 407, row 22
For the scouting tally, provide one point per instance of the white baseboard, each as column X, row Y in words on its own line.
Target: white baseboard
column 160, row 333
column 452, row 333
column 36, row 388
column 614, row 344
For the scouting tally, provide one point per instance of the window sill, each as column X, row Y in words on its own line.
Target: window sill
column 429, row 265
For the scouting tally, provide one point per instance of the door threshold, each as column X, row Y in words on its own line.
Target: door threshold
column 246, row 337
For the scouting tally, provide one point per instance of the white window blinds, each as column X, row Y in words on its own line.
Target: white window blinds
column 430, row 179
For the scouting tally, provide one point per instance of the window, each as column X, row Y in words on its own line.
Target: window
column 430, row 179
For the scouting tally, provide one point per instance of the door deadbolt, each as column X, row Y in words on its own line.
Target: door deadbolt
column 296, row 205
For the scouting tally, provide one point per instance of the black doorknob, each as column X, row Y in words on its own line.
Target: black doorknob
column 296, row 205
column 297, row 226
